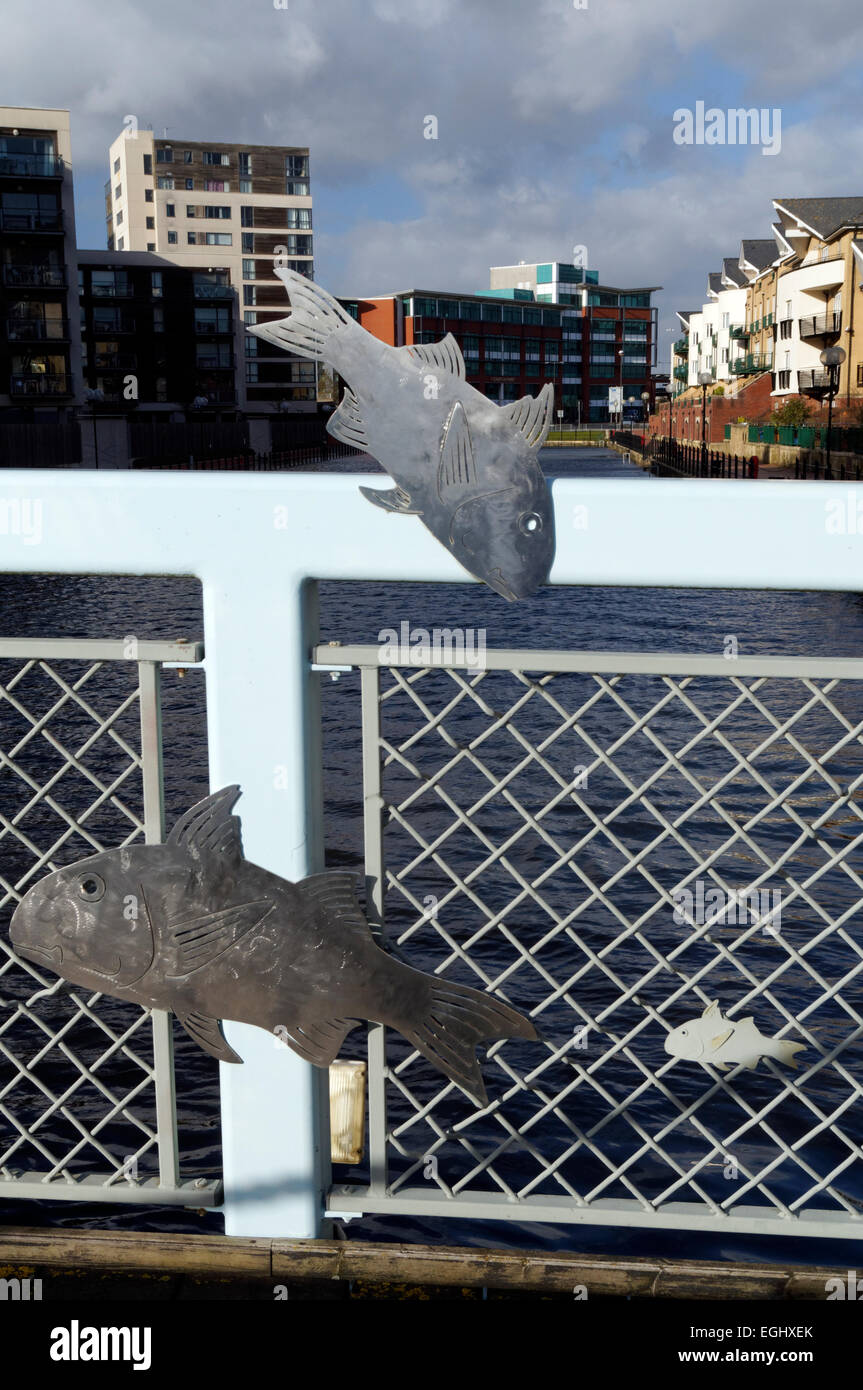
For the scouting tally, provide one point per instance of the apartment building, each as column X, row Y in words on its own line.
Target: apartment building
column 156, row 337
column 39, row 347
column 212, row 206
column 616, row 329
column 512, row 345
column 818, row 293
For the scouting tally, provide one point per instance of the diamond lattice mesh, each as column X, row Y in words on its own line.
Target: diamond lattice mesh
column 542, row 833
column 76, row 1069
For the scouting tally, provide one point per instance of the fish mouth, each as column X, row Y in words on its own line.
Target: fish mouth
column 39, row 954
column 500, row 585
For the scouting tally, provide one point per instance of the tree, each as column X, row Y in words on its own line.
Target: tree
column 795, row 411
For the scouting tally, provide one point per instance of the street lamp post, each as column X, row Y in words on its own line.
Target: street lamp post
column 645, row 400
column 832, row 358
column 705, row 379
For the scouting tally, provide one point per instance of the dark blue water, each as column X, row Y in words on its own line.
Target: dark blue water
column 659, row 620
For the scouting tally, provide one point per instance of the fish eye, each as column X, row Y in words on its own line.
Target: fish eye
column 530, row 523
column 91, row 887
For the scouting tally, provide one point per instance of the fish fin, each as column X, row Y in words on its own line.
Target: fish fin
column 318, row 1042
column 787, row 1051
column 445, row 355
column 207, row 1033
column 315, row 316
column 347, row 423
column 712, row 1010
column 457, row 470
column 393, row 499
column 456, row 1020
column 720, row 1039
column 208, row 827
column 197, row 941
column 334, row 892
column 532, row 415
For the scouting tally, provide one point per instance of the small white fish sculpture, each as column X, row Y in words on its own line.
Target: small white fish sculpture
column 716, row 1041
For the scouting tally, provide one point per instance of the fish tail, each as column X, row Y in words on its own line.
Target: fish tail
column 785, row 1052
column 315, row 316
column 457, row 1018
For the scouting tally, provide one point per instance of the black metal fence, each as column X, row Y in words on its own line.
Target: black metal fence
column 28, row 444
column 668, row 458
column 276, row 461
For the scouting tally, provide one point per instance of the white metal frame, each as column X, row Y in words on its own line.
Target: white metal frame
column 257, row 543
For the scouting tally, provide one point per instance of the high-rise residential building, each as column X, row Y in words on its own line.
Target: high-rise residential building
column 615, row 329
column 235, row 207
column 40, row 355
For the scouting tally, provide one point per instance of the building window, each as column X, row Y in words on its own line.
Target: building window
column 245, row 185
column 165, row 155
column 247, row 217
column 250, row 294
column 156, row 284
column 148, row 164
column 301, row 219
column 170, row 210
column 211, row 157
column 190, row 184
column 219, row 239
column 187, row 156
column 192, row 238
column 164, row 181
column 217, row 186
column 297, row 166
column 116, row 166
column 248, row 270
column 248, row 241
column 212, row 320
column 217, row 211
column 119, row 217
column 252, row 373
column 120, row 244
column 172, row 238
column 190, row 210
column 151, row 245
column 250, row 317
column 297, row 188
column 148, row 195
column 151, row 224
column 213, row 355
column 118, row 191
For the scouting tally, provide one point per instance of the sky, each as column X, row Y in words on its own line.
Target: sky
column 555, row 122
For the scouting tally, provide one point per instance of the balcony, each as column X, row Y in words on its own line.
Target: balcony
column 35, row 277
column 681, row 373
column 115, row 362
column 31, row 221
column 37, row 330
column 681, row 347
column 212, row 291
column 109, row 327
column 821, row 326
column 739, row 331
column 31, row 166
column 750, row 364
column 813, row 381
column 39, row 384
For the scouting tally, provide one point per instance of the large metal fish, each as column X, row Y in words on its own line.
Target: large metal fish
column 193, row 927
column 468, row 468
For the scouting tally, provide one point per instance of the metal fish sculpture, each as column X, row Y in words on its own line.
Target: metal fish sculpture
column 191, row 926
column 716, row 1041
column 468, row 468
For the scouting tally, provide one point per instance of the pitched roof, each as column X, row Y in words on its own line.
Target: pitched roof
column 824, row 215
column 761, row 253
column 714, row 281
column 731, row 270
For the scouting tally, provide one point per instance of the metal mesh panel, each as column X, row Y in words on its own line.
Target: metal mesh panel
column 611, row 850
column 87, row 1106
